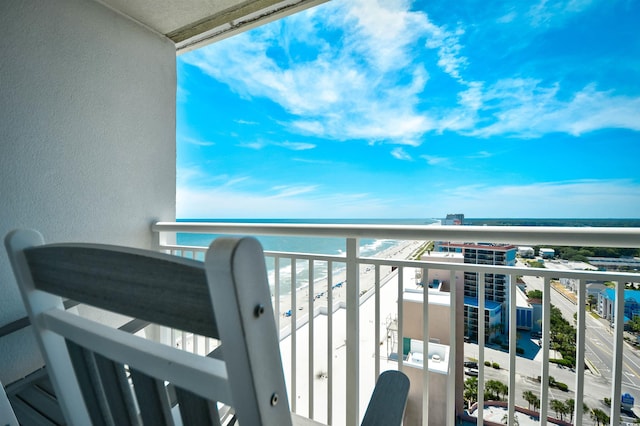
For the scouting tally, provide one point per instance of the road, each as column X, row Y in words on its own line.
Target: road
column 598, row 351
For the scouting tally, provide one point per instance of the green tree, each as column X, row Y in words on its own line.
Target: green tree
column 559, row 407
column 494, row 389
column 599, row 416
column 529, row 396
column 470, row 393
column 570, row 406
column 534, row 294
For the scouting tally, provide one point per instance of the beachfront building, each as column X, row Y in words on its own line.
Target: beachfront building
column 496, row 285
column 547, row 253
column 606, row 304
column 440, row 279
column 445, row 378
column 526, row 252
column 453, row 219
column 615, row 263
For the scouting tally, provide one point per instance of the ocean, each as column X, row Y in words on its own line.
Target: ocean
column 368, row 247
column 328, row 246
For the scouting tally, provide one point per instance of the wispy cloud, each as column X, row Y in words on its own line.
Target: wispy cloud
column 286, row 191
column 257, row 145
column 197, row 142
column 372, row 83
column 220, row 202
column 365, row 88
column 481, row 154
column 400, row 154
column 297, row 146
column 591, row 198
column 527, row 109
column 433, row 160
column 548, row 13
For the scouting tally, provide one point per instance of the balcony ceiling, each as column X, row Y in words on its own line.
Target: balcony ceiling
column 193, row 23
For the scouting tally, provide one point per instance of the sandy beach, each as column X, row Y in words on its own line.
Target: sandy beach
column 311, row 355
column 402, row 250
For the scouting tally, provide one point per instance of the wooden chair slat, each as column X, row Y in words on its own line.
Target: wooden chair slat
column 128, row 282
column 195, row 410
column 153, row 400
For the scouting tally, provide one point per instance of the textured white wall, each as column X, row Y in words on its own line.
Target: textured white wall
column 87, row 136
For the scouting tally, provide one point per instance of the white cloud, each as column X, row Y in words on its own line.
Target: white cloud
column 367, row 87
column 525, row 108
column 198, row 142
column 220, row 202
column 581, row 198
column 400, row 154
column 297, row 146
column 433, row 160
column 547, row 13
column 372, row 83
column 286, row 191
column 449, row 50
column 257, row 145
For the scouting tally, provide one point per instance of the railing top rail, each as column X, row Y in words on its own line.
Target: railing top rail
column 521, row 235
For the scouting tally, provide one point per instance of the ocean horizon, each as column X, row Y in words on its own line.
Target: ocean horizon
column 368, row 247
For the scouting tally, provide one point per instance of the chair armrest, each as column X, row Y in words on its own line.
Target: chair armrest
column 389, row 399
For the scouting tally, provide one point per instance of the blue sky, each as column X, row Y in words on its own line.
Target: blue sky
column 398, row 109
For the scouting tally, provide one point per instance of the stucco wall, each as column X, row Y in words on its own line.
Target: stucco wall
column 87, row 136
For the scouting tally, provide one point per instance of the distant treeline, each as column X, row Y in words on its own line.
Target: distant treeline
column 554, row 222
column 580, row 254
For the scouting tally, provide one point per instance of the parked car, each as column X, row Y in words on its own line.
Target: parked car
column 471, row 372
column 471, row 364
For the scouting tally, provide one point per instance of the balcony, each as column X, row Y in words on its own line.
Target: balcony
column 347, row 324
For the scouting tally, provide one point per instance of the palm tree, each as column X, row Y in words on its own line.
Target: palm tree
column 529, row 397
column 570, row 406
column 598, row 416
column 558, row 407
column 471, row 390
column 504, row 390
column 536, row 402
column 493, row 389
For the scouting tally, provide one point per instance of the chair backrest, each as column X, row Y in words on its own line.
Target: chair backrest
column 103, row 375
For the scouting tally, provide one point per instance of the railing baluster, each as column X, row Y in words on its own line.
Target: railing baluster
column 329, row 342
column 512, row 347
column 276, row 291
column 453, row 348
column 425, row 347
column 544, row 376
column 481, row 344
column 580, row 340
column 400, row 324
column 311, row 334
column 294, row 340
column 618, row 347
column 353, row 329
column 377, row 322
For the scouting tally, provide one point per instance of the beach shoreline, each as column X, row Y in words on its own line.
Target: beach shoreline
column 404, row 249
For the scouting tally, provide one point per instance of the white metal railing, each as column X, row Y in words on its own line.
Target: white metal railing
column 351, row 405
